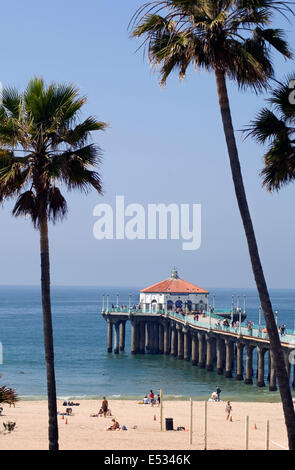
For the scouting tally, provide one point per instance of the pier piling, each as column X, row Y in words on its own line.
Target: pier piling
column 207, row 347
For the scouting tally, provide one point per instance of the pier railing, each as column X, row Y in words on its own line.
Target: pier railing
column 208, row 321
column 211, row 321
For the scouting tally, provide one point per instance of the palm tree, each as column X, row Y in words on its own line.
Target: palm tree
column 232, row 39
column 276, row 127
column 43, row 146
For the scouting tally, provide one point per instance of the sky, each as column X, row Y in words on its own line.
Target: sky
column 161, row 146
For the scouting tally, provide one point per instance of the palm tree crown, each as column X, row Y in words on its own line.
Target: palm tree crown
column 275, row 126
column 43, row 147
column 230, row 36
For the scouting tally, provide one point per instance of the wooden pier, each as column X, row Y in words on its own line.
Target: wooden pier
column 207, row 344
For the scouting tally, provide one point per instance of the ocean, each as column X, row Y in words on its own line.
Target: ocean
column 84, row 369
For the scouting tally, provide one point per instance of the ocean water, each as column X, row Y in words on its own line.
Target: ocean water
column 84, row 369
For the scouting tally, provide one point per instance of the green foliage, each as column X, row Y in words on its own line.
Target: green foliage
column 43, row 146
column 232, row 36
column 8, row 395
column 275, row 127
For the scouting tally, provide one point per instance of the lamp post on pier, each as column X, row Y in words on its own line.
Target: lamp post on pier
column 130, row 300
column 232, row 309
column 240, row 322
column 103, row 302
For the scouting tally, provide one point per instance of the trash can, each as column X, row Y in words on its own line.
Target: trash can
column 169, row 424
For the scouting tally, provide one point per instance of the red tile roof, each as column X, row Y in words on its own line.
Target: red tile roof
column 174, row 286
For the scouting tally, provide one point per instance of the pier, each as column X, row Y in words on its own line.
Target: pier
column 205, row 342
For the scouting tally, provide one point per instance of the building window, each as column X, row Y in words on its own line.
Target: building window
column 178, row 304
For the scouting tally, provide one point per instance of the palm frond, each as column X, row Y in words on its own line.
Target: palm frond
column 12, row 102
column 279, row 133
column 14, row 175
column 267, row 127
column 57, row 205
column 279, row 167
column 276, row 38
column 76, row 176
column 280, row 98
column 27, row 205
column 80, row 134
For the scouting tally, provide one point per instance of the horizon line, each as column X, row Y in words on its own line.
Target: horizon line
column 112, row 286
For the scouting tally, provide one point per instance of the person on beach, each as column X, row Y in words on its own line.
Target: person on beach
column 158, row 400
column 114, row 426
column 213, row 397
column 218, row 392
column 151, row 397
column 145, row 400
column 105, row 407
column 228, row 410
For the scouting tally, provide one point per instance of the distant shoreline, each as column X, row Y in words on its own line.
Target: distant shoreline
column 168, row 398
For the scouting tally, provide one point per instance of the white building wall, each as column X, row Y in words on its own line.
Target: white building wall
column 196, row 299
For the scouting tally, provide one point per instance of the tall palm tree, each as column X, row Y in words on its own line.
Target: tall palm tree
column 275, row 126
column 234, row 40
column 44, row 146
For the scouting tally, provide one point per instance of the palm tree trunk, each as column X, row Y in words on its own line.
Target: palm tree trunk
column 266, row 305
column 48, row 335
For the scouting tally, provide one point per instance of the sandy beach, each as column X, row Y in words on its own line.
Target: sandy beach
column 82, row 432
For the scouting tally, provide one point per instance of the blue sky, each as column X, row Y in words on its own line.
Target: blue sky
column 162, row 146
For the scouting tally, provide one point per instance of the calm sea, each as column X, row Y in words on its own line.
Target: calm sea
column 83, row 367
